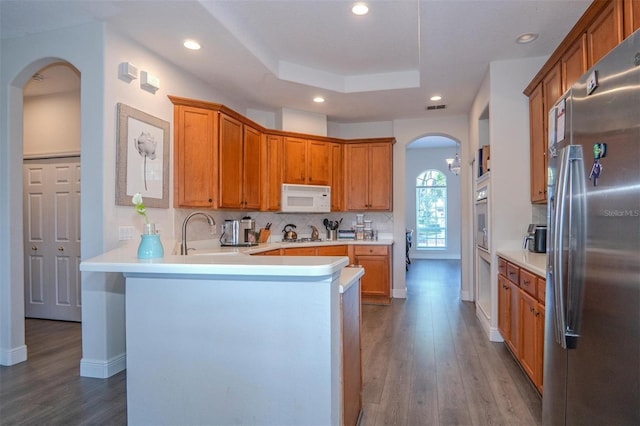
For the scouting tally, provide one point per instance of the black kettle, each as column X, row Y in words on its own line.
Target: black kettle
column 289, row 234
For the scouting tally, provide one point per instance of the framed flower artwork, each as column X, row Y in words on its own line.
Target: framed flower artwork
column 142, row 160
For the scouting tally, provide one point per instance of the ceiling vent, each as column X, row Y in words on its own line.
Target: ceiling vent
column 434, row 107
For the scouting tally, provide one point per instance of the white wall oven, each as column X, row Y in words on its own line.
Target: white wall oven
column 482, row 217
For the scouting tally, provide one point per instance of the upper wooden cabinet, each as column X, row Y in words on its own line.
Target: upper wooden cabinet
column 307, row 161
column 224, row 160
column 537, row 146
column 337, row 179
column 606, row 32
column 239, row 167
column 574, row 62
column 601, row 28
column 631, row 14
column 272, row 173
column 368, row 176
column 195, row 157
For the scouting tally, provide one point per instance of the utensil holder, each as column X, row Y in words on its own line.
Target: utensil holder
column 332, row 234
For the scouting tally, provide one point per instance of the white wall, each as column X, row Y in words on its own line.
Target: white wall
column 52, row 124
column 509, row 204
column 405, row 132
column 419, row 160
column 292, row 120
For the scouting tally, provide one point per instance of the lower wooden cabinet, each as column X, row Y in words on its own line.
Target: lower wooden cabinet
column 376, row 282
column 351, row 321
column 521, row 314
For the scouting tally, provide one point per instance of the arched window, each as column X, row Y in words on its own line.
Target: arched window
column 431, row 210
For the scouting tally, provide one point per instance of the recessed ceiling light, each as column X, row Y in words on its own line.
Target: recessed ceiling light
column 360, row 9
column 318, row 99
column 436, row 98
column 526, row 38
column 191, row 45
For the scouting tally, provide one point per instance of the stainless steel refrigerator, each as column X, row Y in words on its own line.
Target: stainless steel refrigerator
column 592, row 329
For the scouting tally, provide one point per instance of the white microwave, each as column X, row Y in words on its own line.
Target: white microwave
column 305, row 198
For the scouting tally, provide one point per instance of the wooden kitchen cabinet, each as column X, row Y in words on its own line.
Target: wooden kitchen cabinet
column 340, row 250
column 521, row 314
column 351, row 350
column 631, row 16
column 299, row 251
column 574, row 62
column 307, row 161
column 376, row 282
column 606, row 32
column 537, row 146
column 239, row 165
column 337, row 177
column 195, row 157
column 272, row 173
column 531, row 317
column 368, row 175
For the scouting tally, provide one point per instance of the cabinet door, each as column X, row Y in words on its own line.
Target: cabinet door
column 504, row 308
column 539, row 365
column 318, row 163
column 251, row 181
column 631, row 16
column 231, row 163
column 380, row 176
column 527, row 331
column 574, row 62
column 272, row 173
column 605, row 33
column 356, row 179
column 195, row 157
column 536, row 141
column 375, row 281
column 299, row 251
column 337, row 180
column 514, row 305
column 340, row 250
column 295, row 160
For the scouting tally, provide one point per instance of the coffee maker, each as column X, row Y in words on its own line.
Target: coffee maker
column 536, row 238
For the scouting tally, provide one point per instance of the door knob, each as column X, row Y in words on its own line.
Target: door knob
column 34, row 248
column 60, row 248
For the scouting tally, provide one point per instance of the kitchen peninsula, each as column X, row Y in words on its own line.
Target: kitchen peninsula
column 228, row 338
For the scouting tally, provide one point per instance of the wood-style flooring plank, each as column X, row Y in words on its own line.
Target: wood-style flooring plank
column 426, row 361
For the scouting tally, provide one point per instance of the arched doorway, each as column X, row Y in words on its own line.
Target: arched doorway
column 433, row 209
column 51, row 182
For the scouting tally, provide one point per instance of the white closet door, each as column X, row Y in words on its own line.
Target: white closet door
column 52, row 239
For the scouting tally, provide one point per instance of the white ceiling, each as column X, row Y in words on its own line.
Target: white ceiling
column 269, row 54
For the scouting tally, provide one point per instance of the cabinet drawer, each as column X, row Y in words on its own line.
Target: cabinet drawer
column 528, row 282
column 502, row 266
column 541, row 284
column 371, row 250
column 513, row 273
column 332, row 251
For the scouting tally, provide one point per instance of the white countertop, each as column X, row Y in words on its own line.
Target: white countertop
column 534, row 262
column 208, row 258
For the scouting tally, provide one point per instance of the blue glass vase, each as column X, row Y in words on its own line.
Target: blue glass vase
column 150, row 246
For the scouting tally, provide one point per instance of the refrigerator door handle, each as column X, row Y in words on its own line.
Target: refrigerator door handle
column 577, row 245
column 557, row 230
column 570, row 201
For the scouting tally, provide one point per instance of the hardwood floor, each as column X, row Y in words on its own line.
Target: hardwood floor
column 426, row 361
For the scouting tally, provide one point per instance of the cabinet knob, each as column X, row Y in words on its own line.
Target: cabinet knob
column 34, row 248
column 60, row 248
column 210, row 200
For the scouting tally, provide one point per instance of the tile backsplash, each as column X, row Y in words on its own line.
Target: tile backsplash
column 199, row 229
column 539, row 213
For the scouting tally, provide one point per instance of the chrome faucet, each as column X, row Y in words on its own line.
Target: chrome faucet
column 183, row 245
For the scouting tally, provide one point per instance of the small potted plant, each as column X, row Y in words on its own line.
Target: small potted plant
column 150, row 246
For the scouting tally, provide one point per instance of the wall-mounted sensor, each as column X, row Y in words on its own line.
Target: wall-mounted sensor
column 149, row 81
column 127, row 71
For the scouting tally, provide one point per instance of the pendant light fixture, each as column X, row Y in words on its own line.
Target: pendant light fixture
column 454, row 164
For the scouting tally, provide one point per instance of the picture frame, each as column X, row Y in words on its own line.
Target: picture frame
column 142, row 158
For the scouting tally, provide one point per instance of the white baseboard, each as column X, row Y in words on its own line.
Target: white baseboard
column 99, row 369
column 465, row 295
column 13, row 356
column 494, row 335
column 400, row 293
